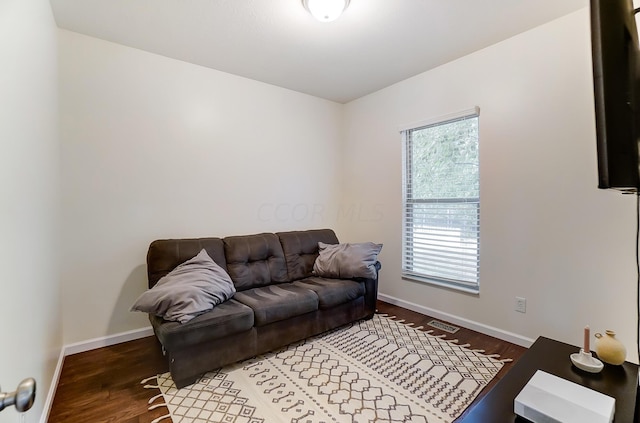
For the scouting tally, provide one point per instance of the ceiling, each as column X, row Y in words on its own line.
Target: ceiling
column 374, row 44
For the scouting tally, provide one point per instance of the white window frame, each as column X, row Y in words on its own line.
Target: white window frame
column 408, row 268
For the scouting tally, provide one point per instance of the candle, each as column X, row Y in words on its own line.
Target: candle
column 586, row 339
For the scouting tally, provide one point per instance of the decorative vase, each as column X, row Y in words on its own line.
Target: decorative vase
column 609, row 349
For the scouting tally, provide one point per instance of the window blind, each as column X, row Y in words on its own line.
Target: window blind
column 441, row 220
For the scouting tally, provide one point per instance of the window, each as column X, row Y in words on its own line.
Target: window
column 441, row 219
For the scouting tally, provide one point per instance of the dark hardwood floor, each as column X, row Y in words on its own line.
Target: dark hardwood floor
column 103, row 385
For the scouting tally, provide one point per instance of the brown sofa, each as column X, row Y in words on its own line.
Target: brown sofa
column 278, row 299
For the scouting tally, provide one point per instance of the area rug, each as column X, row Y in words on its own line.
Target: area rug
column 378, row 370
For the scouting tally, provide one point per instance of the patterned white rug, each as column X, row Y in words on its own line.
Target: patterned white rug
column 378, row 370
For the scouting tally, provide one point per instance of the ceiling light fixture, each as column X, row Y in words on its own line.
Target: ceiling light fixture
column 325, row 10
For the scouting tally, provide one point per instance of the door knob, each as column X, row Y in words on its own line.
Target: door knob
column 22, row 398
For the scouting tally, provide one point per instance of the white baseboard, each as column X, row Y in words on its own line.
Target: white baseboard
column 514, row 338
column 52, row 388
column 106, row 341
column 78, row 347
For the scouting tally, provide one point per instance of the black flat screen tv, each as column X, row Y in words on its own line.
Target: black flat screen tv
column 614, row 43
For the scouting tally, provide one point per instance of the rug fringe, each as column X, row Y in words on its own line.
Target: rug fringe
column 155, row 397
column 148, row 379
column 153, row 407
column 497, row 357
column 167, row 416
column 150, row 386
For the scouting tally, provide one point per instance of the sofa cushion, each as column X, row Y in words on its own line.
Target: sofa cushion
column 347, row 261
column 255, row 260
column 228, row 318
column 192, row 288
column 301, row 249
column 278, row 302
column 332, row 292
column 164, row 255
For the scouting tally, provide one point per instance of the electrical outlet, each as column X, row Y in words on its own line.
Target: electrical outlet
column 521, row 304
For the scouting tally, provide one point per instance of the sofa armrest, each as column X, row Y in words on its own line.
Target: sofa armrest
column 371, row 292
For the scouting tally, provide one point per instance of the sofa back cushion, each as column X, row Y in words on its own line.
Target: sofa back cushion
column 255, row 260
column 301, row 250
column 164, row 255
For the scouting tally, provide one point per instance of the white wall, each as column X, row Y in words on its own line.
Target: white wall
column 154, row 148
column 547, row 233
column 29, row 296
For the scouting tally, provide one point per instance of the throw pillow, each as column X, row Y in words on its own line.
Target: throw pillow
column 347, row 261
column 192, row 288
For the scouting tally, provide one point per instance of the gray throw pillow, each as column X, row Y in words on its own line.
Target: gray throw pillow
column 192, row 288
column 347, row 261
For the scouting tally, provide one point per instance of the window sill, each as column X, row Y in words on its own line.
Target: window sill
column 442, row 283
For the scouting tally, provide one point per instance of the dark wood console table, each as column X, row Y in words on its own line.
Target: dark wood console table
column 620, row 382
